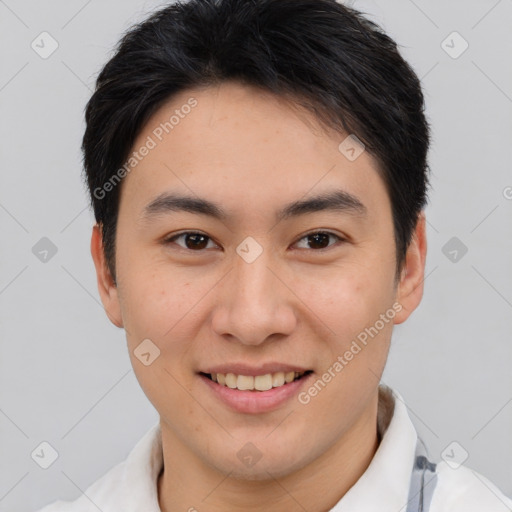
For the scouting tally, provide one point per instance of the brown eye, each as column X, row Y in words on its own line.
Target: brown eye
column 319, row 240
column 197, row 242
column 192, row 241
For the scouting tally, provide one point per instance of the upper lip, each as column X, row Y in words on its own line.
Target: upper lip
column 253, row 371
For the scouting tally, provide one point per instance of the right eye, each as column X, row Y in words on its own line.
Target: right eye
column 193, row 241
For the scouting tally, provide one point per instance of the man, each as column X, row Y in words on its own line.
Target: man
column 258, row 175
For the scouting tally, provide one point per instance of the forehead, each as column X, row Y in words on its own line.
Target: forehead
column 243, row 146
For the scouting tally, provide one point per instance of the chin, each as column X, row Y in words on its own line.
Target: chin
column 264, row 468
column 261, row 473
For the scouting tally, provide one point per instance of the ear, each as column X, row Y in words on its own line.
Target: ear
column 106, row 285
column 410, row 287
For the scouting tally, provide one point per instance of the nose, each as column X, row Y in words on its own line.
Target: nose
column 254, row 302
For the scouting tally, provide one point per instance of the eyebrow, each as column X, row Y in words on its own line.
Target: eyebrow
column 336, row 200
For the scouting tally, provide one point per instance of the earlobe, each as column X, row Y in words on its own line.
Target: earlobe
column 410, row 287
column 106, row 285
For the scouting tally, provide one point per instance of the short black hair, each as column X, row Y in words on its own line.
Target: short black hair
column 326, row 56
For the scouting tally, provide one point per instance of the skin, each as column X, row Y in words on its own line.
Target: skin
column 252, row 153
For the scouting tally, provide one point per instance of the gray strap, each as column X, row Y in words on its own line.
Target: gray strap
column 423, row 481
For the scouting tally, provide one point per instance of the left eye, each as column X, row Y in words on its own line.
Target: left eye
column 320, row 238
column 197, row 241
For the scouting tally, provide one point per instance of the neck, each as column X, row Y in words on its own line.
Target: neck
column 187, row 484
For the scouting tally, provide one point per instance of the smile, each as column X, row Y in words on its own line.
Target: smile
column 255, row 394
column 255, row 383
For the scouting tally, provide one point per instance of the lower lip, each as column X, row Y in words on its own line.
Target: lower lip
column 255, row 402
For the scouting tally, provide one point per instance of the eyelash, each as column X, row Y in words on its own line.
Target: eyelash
column 179, row 235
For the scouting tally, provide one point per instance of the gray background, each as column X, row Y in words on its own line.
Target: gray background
column 65, row 375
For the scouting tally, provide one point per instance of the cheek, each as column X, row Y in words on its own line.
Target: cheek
column 351, row 306
column 355, row 347
column 154, row 303
column 168, row 307
column 348, row 300
column 160, row 308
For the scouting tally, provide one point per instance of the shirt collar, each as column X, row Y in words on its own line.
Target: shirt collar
column 141, row 471
column 384, row 484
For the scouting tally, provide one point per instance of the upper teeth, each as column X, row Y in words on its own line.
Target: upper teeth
column 260, row 382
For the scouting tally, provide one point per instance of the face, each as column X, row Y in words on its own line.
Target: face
column 263, row 282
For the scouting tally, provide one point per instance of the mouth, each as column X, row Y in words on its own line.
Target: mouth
column 258, row 383
column 255, row 389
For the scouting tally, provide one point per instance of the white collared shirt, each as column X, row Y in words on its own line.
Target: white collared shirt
column 131, row 486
